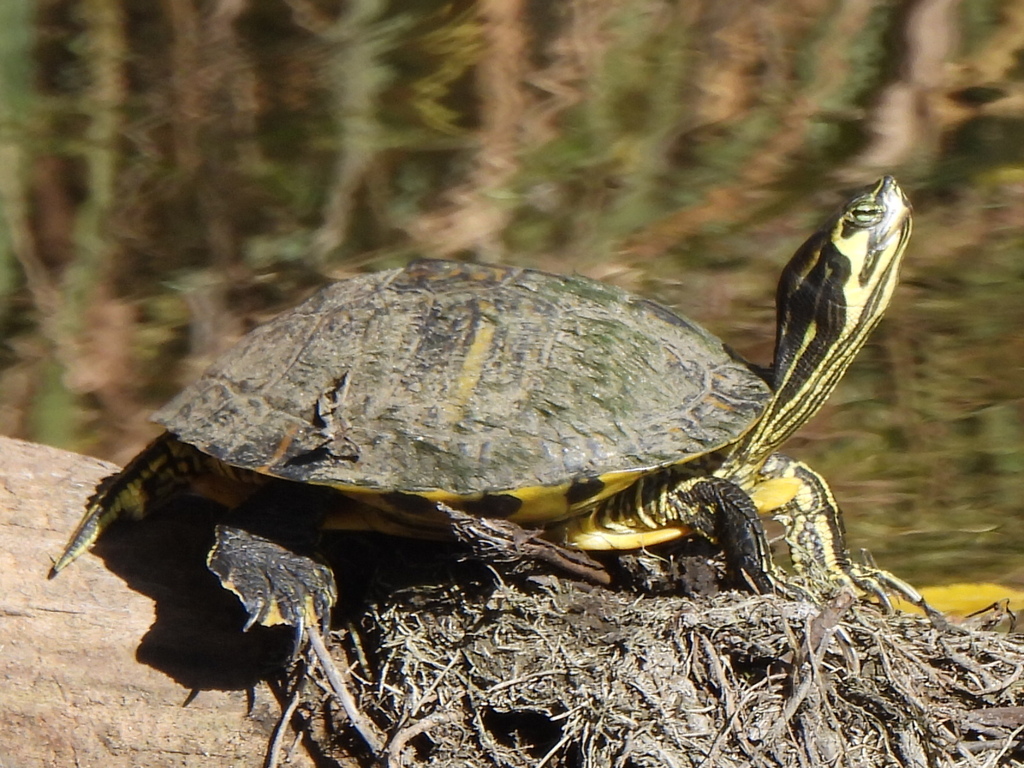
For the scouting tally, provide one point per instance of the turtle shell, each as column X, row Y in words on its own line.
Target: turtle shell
column 454, row 381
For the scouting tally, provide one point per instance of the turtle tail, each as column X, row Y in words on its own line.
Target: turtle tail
column 164, row 467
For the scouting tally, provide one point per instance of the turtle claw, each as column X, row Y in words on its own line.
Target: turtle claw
column 880, row 584
column 869, row 582
column 274, row 584
column 861, row 579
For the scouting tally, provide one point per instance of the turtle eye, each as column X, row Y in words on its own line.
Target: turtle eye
column 866, row 213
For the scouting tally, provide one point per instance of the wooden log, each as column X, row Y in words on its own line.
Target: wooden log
column 97, row 664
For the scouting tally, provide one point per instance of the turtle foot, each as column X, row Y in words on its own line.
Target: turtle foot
column 275, row 584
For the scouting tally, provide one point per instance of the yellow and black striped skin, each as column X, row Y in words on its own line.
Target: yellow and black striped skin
column 163, row 469
column 832, row 293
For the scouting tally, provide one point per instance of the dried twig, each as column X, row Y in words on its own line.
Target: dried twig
column 359, row 721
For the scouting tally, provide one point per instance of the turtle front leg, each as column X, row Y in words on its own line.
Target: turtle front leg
column 664, row 507
column 801, row 500
column 265, row 552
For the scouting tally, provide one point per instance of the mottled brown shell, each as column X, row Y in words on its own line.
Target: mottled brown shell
column 467, row 380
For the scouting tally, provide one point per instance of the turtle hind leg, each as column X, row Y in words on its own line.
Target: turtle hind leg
column 265, row 552
column 275, row 584
column 163, row 468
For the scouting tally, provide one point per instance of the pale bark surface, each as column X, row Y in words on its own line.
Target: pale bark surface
column 93, row 670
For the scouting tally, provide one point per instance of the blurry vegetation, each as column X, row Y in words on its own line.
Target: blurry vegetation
column 173, row 172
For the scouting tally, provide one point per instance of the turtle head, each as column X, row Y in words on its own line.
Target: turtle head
column 831, row 295
column 837, row 286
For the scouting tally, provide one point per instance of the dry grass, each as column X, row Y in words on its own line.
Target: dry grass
column 491, row 670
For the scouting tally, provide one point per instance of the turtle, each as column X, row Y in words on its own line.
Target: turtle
column 597, row 417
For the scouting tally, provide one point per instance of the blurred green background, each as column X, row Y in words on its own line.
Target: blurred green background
column 174, row 171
